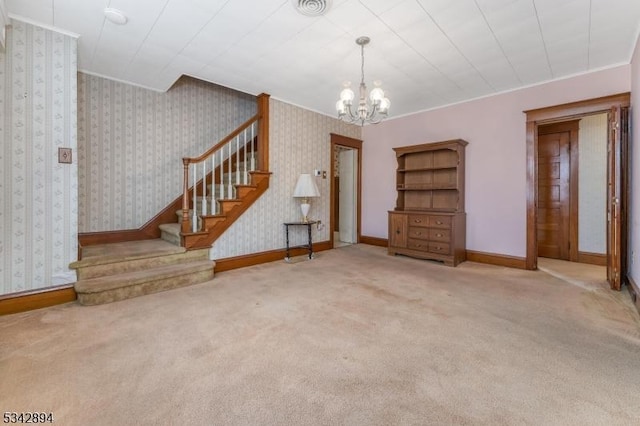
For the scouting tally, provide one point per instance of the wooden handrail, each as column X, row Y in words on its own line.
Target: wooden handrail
column 263, row 122
column 244, row 126
column 261, row 119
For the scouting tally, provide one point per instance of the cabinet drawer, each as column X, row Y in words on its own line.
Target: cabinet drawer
column 443, row 235
column 418, row 220
column 440, row 221
column 440, row 248
column 418, row 244
column 419, row 233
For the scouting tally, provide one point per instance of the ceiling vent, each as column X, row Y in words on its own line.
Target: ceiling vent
column 312, row 7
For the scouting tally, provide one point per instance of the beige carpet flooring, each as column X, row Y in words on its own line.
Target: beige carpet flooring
column 353, row 337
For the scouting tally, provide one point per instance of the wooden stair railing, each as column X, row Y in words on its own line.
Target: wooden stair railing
column 259, row 145
column 219, row 184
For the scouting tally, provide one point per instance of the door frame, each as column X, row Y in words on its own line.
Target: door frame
column 347, row 142
column 548, row 115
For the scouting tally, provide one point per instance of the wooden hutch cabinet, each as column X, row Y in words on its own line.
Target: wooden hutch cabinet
column 429, row 221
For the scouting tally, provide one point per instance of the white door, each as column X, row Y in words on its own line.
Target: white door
column 348, row 189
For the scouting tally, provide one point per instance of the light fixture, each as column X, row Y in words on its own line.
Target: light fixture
column 116, row 16
column 305, row 188
column 366, row 113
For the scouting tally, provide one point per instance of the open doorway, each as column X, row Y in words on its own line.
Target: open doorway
column 553, row 219
column 346, row 160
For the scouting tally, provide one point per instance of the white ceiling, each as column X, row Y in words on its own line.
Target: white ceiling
column 426, row 53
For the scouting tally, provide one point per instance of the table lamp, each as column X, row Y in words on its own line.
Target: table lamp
column 305, row 189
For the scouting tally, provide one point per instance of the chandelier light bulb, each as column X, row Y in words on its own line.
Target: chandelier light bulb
column 384, row 106
column 347, row 96
column 376, row 96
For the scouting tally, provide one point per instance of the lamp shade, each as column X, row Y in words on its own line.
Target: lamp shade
column 306, row 187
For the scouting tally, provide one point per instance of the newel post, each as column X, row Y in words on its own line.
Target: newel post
column 263, row 132
column 186, row 225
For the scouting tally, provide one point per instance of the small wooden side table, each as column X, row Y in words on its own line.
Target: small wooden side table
column 308, row 246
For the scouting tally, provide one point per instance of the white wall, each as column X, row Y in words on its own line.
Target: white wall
column 38, row 196
column 496, row 156
column 634, row 205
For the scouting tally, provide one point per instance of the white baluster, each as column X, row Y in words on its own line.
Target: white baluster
column 238, row 160
column 253, row 154
column 221, row 174
column 244, row 159
column 213, row 183
column 204, row 188
column 229, row 188
column 194, row 216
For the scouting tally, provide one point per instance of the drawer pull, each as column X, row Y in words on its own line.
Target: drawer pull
column 438, row 235
column 438, row 222
column 417, row 221
column 418, row 233
column 398, row 231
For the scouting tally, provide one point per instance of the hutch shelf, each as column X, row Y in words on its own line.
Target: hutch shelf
column 429, row 220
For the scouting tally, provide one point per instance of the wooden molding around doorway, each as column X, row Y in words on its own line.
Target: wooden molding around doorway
column 357, row 145
column 548, row 115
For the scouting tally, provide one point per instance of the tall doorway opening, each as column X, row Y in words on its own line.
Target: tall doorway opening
column 346, row 161
column 555, row 216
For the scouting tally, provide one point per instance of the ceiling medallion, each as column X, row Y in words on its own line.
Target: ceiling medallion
column 312, row 7
column 372, row 113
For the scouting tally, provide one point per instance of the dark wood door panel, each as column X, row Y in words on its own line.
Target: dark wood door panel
column 553, row 195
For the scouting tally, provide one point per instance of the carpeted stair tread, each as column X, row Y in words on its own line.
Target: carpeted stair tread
column 100, row 284
column 121, row 252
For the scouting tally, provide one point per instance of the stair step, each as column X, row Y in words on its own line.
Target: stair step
column 96, row 291
column 170, row 232
column 106, row 259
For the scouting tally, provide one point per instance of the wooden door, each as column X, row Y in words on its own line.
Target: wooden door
column 554, row 171
column 614, row 199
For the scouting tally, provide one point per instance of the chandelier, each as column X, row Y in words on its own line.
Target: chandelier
column 373, row 112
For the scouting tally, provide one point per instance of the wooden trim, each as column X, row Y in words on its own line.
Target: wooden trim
column 577, row 109
column 36, row 299
column 536, row 117
column 634, row 292
column 374, row 241
column 263, row 131
column 592, row 258
column 236, row 262
column 531, row 261
column 497, row 259
column 357, row 145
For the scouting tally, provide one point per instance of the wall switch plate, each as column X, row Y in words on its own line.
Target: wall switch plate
column 64, row 155
column 324, row 174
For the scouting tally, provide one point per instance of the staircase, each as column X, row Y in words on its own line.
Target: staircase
column 172, row 250
column 111, row 272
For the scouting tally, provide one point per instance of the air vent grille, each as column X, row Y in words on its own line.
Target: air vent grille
column 312, row 7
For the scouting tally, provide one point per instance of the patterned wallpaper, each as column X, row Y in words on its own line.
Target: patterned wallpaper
column 299, row 142
column 592, row 184
column 131, row 142
column 38, row 196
